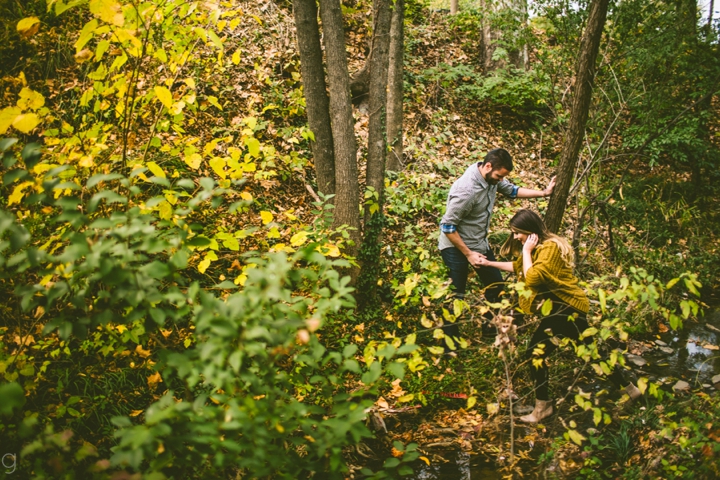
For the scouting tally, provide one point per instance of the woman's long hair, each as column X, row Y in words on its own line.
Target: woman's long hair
column 528, row 222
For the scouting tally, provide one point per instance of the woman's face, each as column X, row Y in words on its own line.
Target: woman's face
column 521, row 237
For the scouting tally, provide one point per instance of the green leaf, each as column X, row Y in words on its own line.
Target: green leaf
column 546, row 307
column 215, row 39
column 12, row 396
column 102, row 177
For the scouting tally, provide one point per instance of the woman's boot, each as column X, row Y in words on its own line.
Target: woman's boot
column 633, row 392
column 543, row 409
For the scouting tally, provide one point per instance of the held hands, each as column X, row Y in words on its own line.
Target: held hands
column 530, row 243
column 477, row 259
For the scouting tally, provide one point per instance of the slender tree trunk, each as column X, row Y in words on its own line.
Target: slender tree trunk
column 453, row 7
column 316, row 99
column 395, row 88
column 347, row 196
column 582, row 96
column 377, row 142
column 491, row 35
column 370, row 252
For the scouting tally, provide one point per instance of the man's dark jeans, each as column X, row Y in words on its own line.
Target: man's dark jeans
column 459, row 268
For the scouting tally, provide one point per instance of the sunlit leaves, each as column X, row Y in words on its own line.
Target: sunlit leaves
column 109, row 11
column 7, row 116
column 86, row 34
column 156, row 169
column 26, row 122
column 27, row 27
column 266, row 217
column 164, row 95
column 194, row 160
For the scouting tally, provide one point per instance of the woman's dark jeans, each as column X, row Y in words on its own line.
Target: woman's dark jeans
column 563, row 321
column 459, row 268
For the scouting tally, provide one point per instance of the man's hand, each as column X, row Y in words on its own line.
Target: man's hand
column 476, row 259
column 551, row 186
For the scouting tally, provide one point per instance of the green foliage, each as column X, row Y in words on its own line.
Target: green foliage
column 256, row 385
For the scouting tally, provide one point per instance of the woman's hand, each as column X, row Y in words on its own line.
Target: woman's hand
column 530, row 243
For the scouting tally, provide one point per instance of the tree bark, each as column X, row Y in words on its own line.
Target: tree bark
column 347, row 196
column 491, row 35
column 453, row 7
column 316, row 99
column 395, row 88
column 584, row 77
column 370, row 251
column 377, row 143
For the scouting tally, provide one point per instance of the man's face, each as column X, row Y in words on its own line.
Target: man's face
column 493, row 177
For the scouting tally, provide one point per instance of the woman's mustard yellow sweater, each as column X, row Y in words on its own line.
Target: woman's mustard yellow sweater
column 550, row 273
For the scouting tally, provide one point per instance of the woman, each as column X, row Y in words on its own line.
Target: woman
column 545, row 263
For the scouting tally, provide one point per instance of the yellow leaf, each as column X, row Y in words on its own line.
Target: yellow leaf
column 194, row 160
column 26, row 123
column 83, row 55
column 471, row 401
column 27, row 27
column 190, row 82
column 575, row 436
column 30, row 99
column 142, row 352
column 246, row 196
column 298, row 239
column 135, row 413
column 156, row 169
column 109, row 11
column 331, row 250
column 236, row 57
column 165, row 210
column 273, row 233
column 218, row 165
column 267, row 217
column 7, row 117
column 164, row 95
column 154, row 379
column 253, row 146
column 17, row 193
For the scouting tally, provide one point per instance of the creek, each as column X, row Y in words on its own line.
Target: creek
column 690, row 355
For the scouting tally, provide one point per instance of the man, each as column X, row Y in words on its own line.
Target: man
column 464, row 227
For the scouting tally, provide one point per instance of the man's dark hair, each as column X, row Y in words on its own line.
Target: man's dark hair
column 499, row 158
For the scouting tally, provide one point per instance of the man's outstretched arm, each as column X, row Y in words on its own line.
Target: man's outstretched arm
column 530, row 193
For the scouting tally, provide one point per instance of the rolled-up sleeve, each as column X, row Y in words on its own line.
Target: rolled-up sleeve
column 508, row 189
column 458, row 205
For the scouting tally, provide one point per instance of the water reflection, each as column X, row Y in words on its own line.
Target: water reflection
column 462, row 466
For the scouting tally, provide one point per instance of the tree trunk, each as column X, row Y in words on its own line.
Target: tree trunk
column 316, row 99
column 453, row 7
column 377, row 143
column 347, row 196
column 370, row 252
column 582, row 96
column 395, row 88
column 491, row 35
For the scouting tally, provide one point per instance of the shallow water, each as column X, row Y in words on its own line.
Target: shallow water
column 689, row 361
